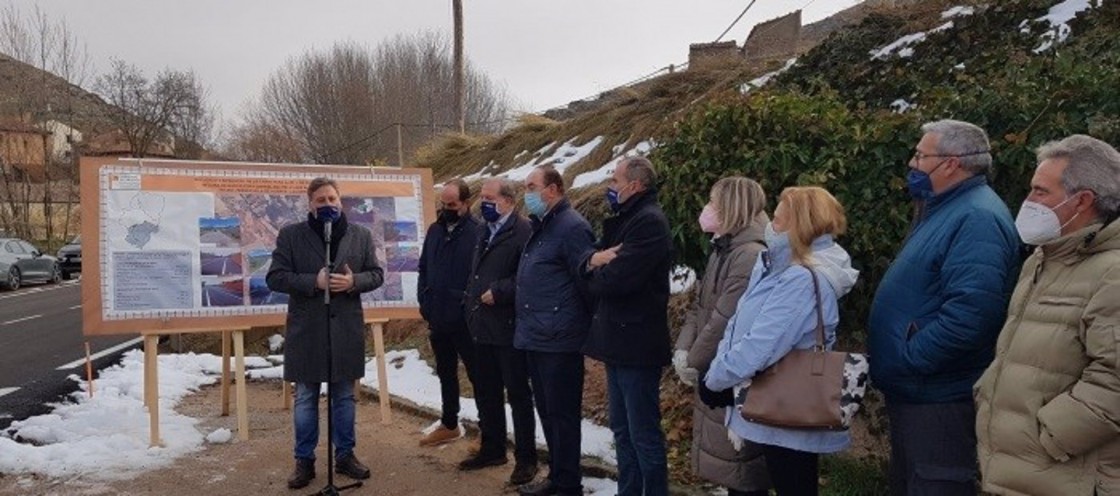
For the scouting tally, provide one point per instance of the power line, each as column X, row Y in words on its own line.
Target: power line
column 736, row 21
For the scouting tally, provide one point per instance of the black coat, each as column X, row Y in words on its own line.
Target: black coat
column 295, row 264
column 630, row 326
column 445, row 263
column 494, row 269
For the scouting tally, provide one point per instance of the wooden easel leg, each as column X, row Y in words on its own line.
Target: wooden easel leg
column 286, row 392
column 382, row 373
column 225, row 372
column 89, row 371
column 151, row 388
column 242, row 392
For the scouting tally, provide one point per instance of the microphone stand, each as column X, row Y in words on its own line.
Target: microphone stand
column 330, row 489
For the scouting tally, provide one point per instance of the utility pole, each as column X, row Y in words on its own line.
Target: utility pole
column 460, row 91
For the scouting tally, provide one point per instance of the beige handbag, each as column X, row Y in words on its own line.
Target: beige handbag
column 811, row 389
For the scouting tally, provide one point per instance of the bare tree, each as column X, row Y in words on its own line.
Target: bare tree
column 344, row 105
column 146, row 111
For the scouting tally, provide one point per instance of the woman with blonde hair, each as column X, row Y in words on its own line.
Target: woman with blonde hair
column 778, row 314
column 735, row 218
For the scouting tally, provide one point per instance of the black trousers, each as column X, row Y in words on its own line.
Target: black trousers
column 450, row 344
column 793, row 473
column 558, row 389
column 501, row 372
column 933, row 448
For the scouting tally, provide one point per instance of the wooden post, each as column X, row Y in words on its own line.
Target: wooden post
column 225, row 372
column 286, row 391
column 151, row 387
column 89, row 371
column 382, row 374
column 400, row 147
column 242, row 392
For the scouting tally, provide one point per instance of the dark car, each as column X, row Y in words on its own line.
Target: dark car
column 70, row 258
column 21, row 262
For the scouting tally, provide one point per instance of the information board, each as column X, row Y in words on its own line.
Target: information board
column 182, row 246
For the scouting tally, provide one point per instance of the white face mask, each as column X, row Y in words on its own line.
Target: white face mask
column 1038, row 224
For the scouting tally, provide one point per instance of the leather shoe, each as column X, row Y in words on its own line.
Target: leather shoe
column 543, row 487
column 302, row 473
column 480, row 461
column 351, row 467
column 523, row 473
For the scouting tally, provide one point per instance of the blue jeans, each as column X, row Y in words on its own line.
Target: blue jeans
column 306, row 415
column 635, row 411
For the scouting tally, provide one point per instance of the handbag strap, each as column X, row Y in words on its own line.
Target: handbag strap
column 820, row 315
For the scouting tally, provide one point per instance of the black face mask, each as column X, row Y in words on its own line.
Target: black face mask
column 449, row 216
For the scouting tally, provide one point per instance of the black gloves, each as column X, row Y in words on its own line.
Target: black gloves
column 715, row 399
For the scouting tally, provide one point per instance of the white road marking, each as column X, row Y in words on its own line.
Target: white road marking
column 81, row 361
column 39, row 289
column 8, row 390
column 24, row 319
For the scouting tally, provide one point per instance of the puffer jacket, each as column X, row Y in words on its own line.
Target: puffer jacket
column 1048, row 407
column 725, row 279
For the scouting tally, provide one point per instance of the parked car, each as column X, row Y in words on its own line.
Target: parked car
column 70, row 258
column 21, row 262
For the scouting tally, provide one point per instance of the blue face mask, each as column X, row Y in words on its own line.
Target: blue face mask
column 775, row 241
column 612, row 199
column 328, row 213
column 919, row 185
column 490, row 211
column 535, row 204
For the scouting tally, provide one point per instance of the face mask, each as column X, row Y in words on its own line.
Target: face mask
column 919, row 184
column 449, row 216
column 612, row 199
column 490, row 211
column 775, row 240
column 535, row 204
column 709, row 221
column 328, row 213
column 1038, row 224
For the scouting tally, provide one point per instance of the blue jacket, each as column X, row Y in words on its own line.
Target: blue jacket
column 445, row 265
column 939, row 308
column 552, row 309
column 777, row 314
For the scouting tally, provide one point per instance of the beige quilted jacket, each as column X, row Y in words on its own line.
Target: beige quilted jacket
column 1048, row 407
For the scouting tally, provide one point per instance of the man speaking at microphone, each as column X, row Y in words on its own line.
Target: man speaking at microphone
column 299, row 268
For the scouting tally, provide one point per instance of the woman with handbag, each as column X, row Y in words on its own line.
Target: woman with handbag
column 790, row 306
column 736, row 219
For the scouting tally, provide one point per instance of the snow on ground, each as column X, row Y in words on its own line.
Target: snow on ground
column 904, row 46
column 901, row 106
column 413, row 379
column 275, row 342
column 562, row 157
column 681, row 279
column 603, row 173
column 1058, row 17
column 106, row 437
column 764, row 79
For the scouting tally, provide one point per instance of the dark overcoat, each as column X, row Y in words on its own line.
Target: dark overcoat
column 295, row 264
column 494, row 269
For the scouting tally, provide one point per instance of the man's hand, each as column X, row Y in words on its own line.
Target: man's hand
column 321, row 280
column 601, row 258
column 487, row 298
column 343, row 281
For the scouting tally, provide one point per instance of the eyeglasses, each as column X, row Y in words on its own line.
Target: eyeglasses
column 918, row 155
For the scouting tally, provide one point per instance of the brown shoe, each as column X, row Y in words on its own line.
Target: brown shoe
column 442, row 435
column 351, row 467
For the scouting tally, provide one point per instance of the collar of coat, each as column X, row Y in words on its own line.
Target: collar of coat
column 1075, row 246
column 561, row 206
column 753, row 233
column 636, row 202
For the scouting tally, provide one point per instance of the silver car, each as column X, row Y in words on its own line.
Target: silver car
column 21, row 262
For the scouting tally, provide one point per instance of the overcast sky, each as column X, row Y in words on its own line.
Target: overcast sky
column 546, row 53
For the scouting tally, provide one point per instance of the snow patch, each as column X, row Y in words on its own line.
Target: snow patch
column 1058, row 18
column 561, row 158
column 604, row 172
column 275, row 342
column 958, row 11
column 681, row 279
column 901, row 106
column 220, row 436
column 764, row 79
column 904, row 46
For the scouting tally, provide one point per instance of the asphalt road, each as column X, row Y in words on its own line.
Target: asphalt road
column 41, row 344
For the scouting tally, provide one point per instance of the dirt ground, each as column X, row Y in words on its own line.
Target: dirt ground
column 261, row 464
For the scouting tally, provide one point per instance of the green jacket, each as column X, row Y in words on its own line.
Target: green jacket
column 1048, row 407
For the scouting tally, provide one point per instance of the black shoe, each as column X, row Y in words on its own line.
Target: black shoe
column 302, row 474
column 543, row 487
column 351, row 467
column 523, row 473
column 482, row 461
